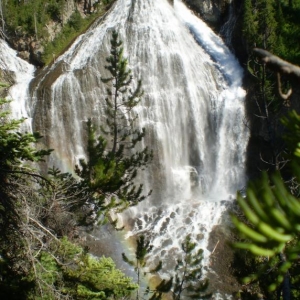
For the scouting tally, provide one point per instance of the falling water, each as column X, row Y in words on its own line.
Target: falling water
column 197, row 114
column 228, row 27
column 193, row 112
column 21, row 73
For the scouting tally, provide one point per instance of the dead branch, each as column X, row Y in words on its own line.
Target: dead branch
column 280, row 66
column 277, row 64
column 215, row 247
column 282, row 95
column 43, row 228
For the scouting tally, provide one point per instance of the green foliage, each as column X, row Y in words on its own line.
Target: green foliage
column 65, row 270
column 95, row 278
column 259, row 24
column 264, row 24
column 75, row 26
column 250, row 24
column 36, row 260
column 113, row 159
column 290, row 32
column 267, row 24
column 188, row 279
column 271, row 225
column 29, row 18
column 54, row 9
column 16, row 149
column 272, row 25
column 188, row 282
column 75, row 21
column 15, row 146
column 70, row 31
column 143, row 249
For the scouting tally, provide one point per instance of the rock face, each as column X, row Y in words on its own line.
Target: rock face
column 31, row 47
column 212, row 11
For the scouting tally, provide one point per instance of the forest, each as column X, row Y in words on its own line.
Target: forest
column 42, row 214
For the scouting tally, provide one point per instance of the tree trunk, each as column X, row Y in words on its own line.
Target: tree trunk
column 286, row 285
column 286, row 288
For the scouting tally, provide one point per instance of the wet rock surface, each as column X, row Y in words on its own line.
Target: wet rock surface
column 220, row 269
column 212, row 11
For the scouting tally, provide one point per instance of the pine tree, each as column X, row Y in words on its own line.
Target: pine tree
column 16, row 149
column 267, row 25
column 96, row 278
column 17, row 152
column 37, row 261
column 188, row 278
column 113, row 158
column 250, row 23
column 143, row 248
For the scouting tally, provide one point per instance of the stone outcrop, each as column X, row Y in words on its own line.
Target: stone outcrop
column 30, row 47
column 212, row 11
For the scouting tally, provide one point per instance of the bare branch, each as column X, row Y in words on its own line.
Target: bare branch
column 44, row 228
column 277, row 64
column 282, row 95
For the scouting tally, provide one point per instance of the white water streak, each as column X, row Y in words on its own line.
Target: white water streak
column 193, row 112
column 22, row 73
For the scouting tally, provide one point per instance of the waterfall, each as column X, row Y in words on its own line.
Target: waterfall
column 227, row 28
column 193, row 112
column 21, row 73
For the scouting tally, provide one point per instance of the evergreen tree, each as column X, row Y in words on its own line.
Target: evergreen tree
column 143, row 248
column 188, row 278
column 17, row 151
column 188, row 281
column 250, row 23
column 97, row 278
column 267, row 25
column 37, row 261
column 113, row 158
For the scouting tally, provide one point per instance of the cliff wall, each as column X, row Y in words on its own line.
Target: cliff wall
column 30, row 30
column 212, row 11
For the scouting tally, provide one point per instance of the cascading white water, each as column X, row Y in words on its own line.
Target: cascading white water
column 193, row 112
column 201, row 131
column 22, row 73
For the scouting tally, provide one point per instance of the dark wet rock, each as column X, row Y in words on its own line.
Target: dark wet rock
column 212, row 11
column 199, row 237
column 172, row 215
column 220, row 268
column 166, row 243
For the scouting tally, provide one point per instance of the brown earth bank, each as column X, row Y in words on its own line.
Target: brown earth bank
column 220, row 270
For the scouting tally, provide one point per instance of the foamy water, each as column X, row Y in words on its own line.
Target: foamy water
column 193, row 112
